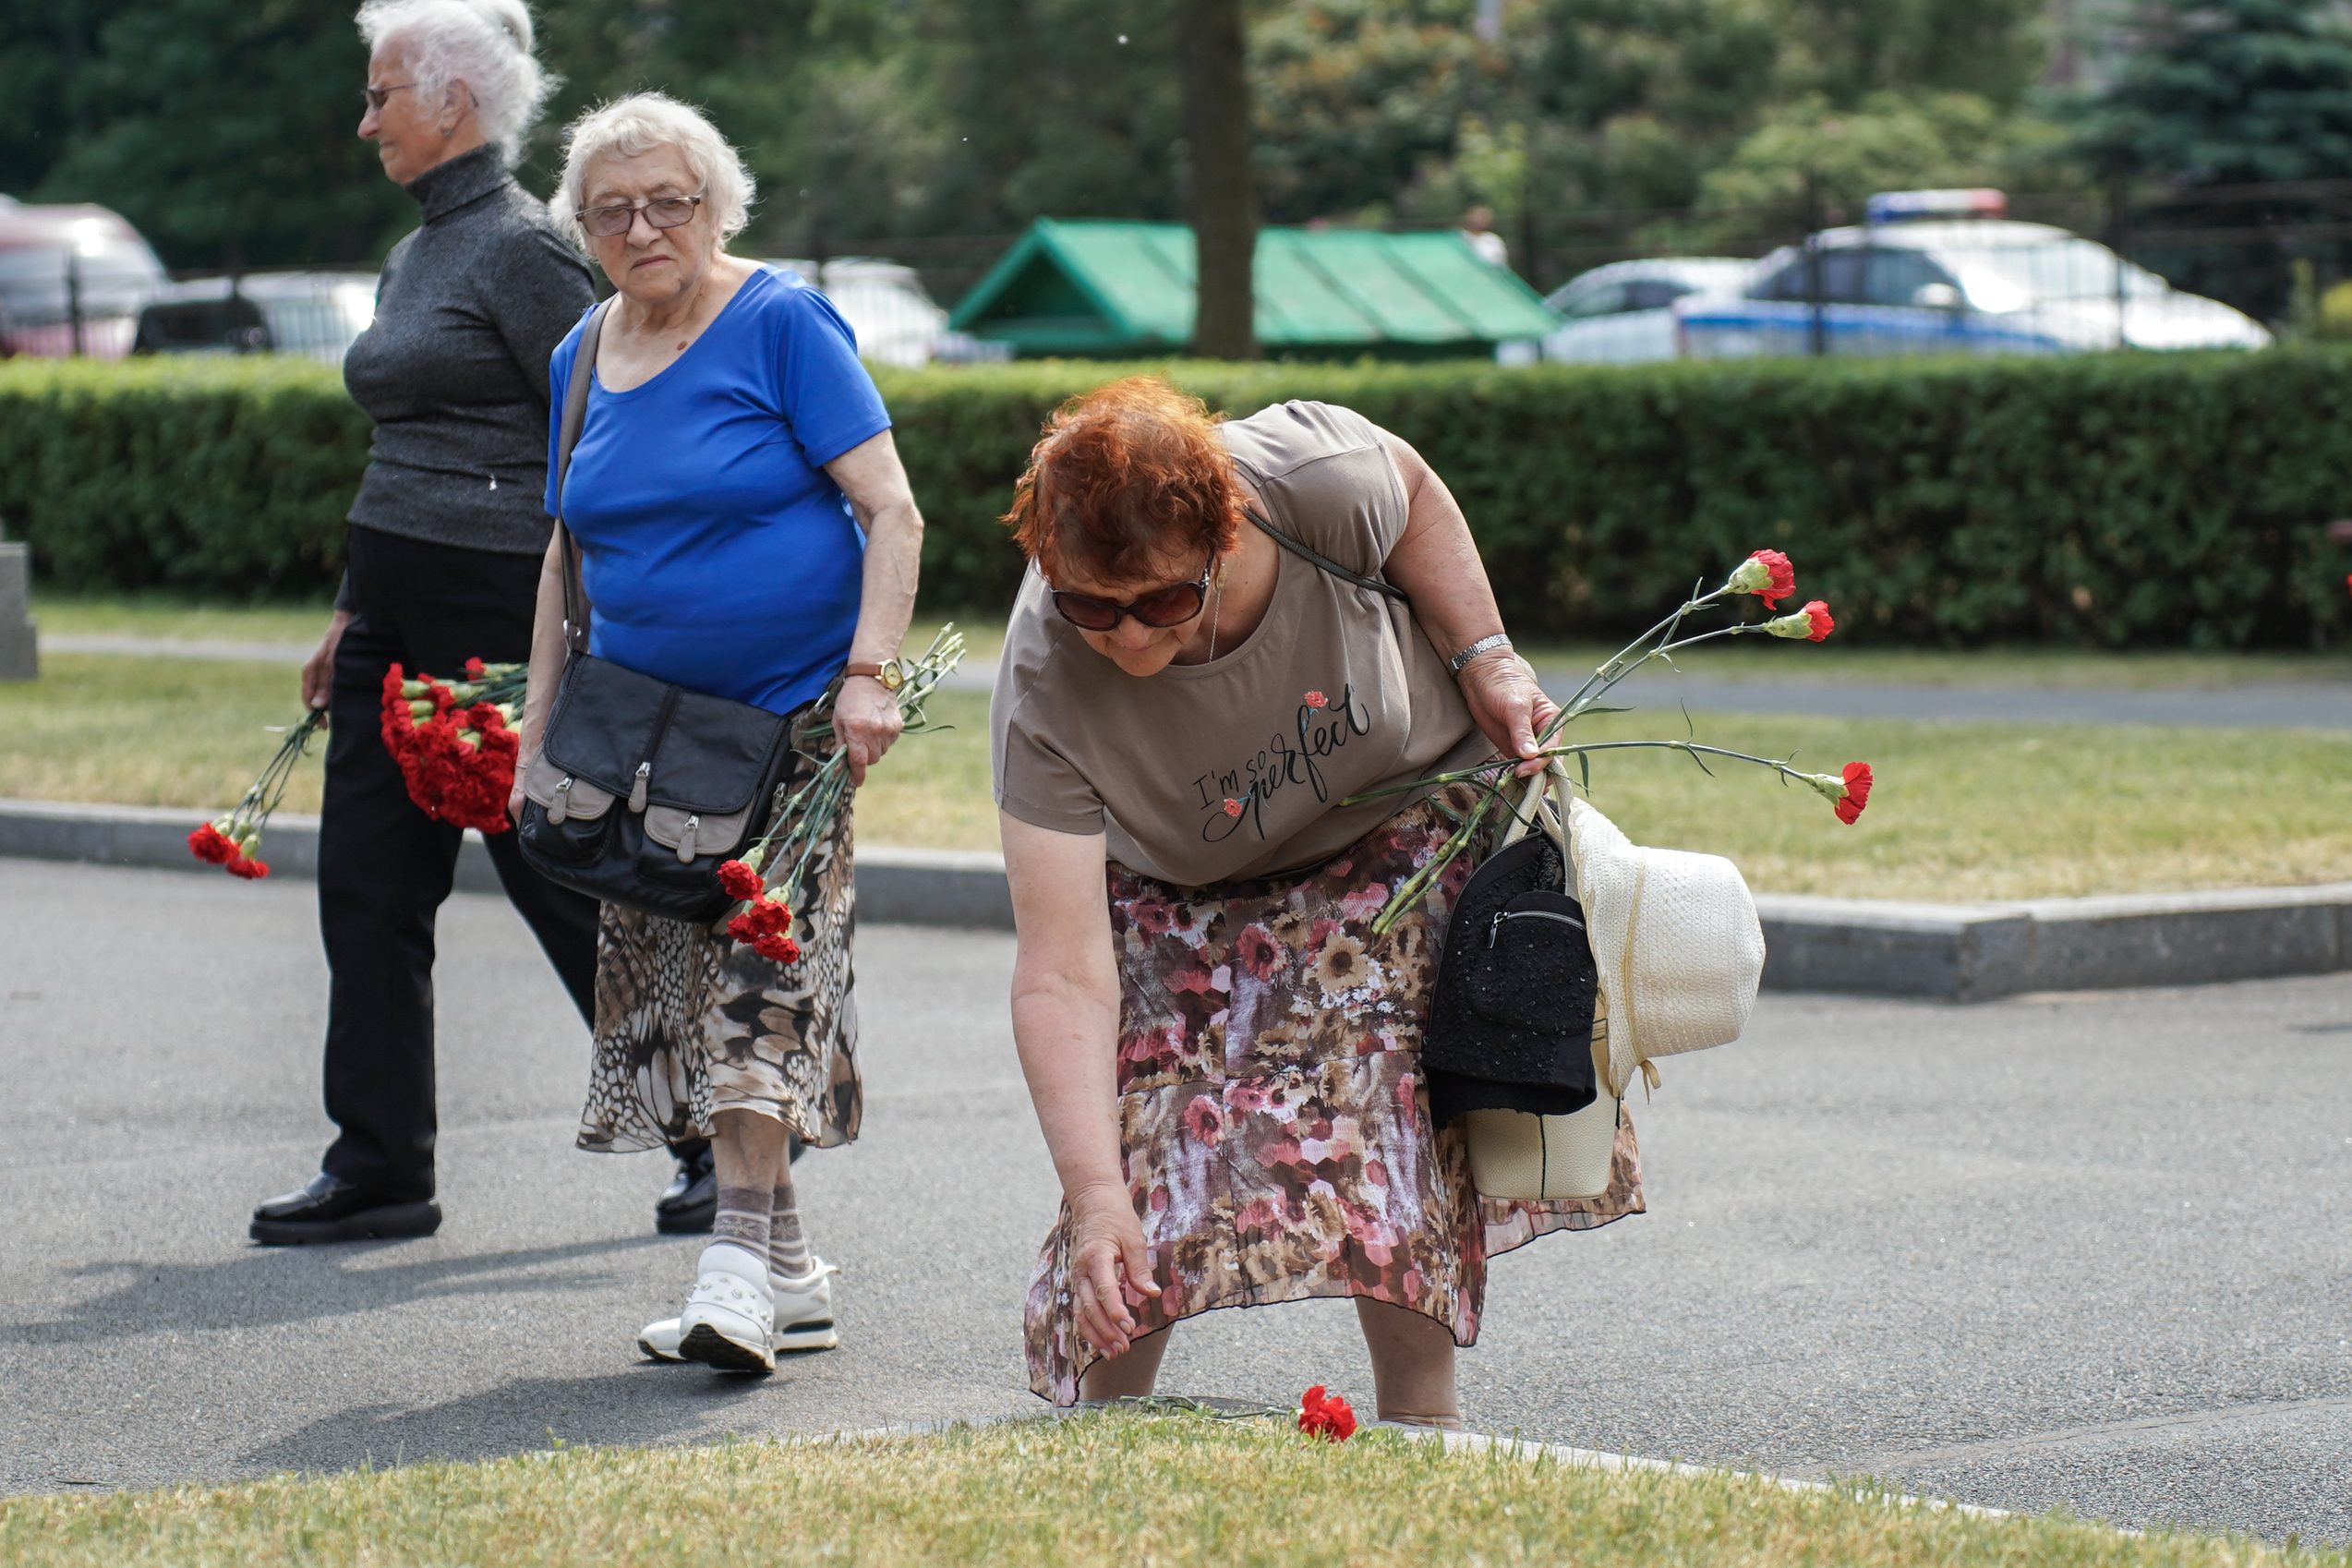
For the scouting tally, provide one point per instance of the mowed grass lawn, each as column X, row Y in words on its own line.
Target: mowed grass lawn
column 1104, row 1489
column 1960, row 811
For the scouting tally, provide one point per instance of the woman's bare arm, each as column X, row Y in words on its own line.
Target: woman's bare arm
column 1066, row 1027
column 546, row 664
column 1436, row 562
column 865, row 716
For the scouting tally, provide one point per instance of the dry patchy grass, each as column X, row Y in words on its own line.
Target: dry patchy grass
column 1115, row 1489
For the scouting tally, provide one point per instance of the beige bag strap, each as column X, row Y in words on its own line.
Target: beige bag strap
column 1546, row 799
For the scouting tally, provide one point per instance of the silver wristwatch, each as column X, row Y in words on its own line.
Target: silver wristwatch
column 1484, row 644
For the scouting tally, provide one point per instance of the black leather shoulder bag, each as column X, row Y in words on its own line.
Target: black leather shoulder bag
column 641, row 787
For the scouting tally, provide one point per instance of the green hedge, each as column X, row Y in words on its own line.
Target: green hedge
column 2114, row 501
column 220, row 477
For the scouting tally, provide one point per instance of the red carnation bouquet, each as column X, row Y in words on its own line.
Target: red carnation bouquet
column 454, row 740
column 1766, row 575
column 233, row 841
column 802, row 819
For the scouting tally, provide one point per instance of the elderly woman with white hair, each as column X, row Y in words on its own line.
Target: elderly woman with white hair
column 446, row 533
column 744, row 530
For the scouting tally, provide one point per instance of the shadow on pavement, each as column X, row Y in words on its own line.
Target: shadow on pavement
column 269, row 1285
column 649, row 1402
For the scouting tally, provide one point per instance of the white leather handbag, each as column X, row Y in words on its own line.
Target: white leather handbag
column 1517, row 1154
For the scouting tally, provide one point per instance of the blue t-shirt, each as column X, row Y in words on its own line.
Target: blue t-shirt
column 717, row 553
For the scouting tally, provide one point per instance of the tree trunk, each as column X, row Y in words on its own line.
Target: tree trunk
column 1223, row 199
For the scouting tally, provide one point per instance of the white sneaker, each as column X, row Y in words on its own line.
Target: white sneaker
column 804, row 1309
column 803, row 1317
column 730, row 1313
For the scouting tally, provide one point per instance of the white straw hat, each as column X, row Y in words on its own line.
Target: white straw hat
column 1676, row 937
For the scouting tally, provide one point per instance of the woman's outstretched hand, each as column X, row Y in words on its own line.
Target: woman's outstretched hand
column 1110, row 1267
column 866, row 720
column 1508, row 705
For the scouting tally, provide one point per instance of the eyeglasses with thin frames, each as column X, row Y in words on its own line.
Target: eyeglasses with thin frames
column 377, row 95
column 1161, row 608
column 662, row 212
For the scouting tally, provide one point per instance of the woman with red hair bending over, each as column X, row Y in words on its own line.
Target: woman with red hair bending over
column 1226, row 631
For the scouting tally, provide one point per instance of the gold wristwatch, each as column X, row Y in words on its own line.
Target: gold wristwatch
column 891, row 672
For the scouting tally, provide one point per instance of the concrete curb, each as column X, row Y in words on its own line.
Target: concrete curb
column 1937, row 952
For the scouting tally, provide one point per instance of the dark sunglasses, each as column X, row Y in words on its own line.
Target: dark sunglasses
column 1162, row 607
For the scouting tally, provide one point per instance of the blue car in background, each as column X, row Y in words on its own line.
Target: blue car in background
column 1924, row 277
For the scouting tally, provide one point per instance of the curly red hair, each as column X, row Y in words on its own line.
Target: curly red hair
column 1127, row 478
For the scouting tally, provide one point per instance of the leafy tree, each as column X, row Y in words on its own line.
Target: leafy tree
column 1353, row 96
column 2229, row 92
column 225, row 130
column 1809, row 160
column 1069, row 108
column 2232, row 92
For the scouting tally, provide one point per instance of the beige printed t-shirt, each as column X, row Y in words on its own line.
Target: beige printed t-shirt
column 1234, row 769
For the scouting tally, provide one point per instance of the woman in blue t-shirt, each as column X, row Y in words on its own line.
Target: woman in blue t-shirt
column 745, row 529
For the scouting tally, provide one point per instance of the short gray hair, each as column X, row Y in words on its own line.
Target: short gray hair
column 484, row 43
column 631, row 126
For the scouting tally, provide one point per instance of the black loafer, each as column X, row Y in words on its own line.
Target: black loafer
column 689, row 1205
column 330, row 1209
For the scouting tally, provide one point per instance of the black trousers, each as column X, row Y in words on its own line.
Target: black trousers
column 385, row 867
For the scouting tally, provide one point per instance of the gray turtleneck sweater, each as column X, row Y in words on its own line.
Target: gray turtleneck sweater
column 454, row 371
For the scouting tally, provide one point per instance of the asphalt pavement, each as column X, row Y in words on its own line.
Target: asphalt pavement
column 2089, row 1250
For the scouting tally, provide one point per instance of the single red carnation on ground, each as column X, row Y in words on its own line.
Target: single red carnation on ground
column 738, row 880
column 212, row 846
column 1857, row 775
column 1326, row 1416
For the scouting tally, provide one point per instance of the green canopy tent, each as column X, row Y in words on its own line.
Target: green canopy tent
column 1105, row 289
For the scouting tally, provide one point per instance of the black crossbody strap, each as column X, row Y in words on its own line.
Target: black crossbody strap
column 1319, row 559
column 575, row 413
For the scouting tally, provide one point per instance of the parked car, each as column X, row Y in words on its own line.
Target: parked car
column 1625, row 311
column 70, row 272
column 313, row 314
column 1947, row 273
column 894, row 316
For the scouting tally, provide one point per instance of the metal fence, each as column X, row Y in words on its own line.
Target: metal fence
column 2065, row 272
column 1955, row 271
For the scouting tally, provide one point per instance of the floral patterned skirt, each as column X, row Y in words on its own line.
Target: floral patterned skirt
column 690, row 1022
column 1272, row 1124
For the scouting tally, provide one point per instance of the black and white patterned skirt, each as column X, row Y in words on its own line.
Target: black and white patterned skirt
column 690, row 1022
